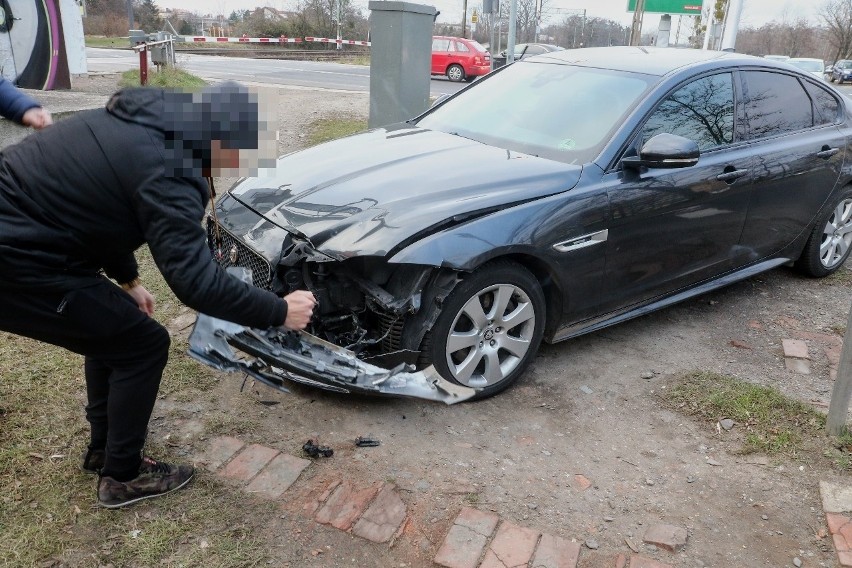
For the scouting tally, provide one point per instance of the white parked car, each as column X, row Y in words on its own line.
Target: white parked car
column 815, row 67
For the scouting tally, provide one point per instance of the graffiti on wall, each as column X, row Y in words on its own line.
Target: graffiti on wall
column 32, row 44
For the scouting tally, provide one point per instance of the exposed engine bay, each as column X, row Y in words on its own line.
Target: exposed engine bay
column 380, row 312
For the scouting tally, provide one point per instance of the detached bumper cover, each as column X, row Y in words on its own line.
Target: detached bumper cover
column 276, row 357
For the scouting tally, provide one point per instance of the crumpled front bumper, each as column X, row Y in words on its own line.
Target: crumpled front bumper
column 276, row 356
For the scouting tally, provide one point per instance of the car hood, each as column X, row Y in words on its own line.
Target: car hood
column 368, row 193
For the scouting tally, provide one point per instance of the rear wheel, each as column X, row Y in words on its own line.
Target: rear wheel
column 455, row 73
column 830, row 242
column 490, row 328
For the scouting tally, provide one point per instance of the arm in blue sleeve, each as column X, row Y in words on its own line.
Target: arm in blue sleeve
column 14, row 103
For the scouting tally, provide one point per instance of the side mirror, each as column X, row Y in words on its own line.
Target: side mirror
column 665, row 151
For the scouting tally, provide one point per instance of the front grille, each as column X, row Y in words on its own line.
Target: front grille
column 233, row 252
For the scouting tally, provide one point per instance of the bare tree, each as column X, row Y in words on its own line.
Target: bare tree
column 837, row 15
column 797, row 39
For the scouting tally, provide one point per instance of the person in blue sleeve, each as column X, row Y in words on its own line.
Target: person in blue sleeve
column 20, row 107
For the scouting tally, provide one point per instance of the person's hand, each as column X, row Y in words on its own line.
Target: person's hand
column 300, row 308
column 144, row 299
column 37, row 117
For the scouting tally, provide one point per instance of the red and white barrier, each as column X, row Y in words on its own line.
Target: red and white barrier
column 338, row 41
column 282, row 39
column 207, row 39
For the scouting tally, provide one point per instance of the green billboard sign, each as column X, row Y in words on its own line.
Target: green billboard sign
column 674, row 7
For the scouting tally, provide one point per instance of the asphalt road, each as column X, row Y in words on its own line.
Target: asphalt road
column 307, row 74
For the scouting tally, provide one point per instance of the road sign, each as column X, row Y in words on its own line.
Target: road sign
column 674, row 7
column 474, row 18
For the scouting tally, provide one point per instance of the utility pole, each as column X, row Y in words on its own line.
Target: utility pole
column 838, row 407
column 732, row 24
column 513, row 24
column 636, row 28
column 339, row 10
column 129, row 14
column 464, row 20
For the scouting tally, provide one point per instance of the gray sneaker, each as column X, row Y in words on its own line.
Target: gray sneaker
column 155, row 478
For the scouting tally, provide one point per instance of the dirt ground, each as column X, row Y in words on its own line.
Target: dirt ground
column 590, row 406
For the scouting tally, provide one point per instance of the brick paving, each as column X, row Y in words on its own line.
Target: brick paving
column 837, row 505
column 477, row 539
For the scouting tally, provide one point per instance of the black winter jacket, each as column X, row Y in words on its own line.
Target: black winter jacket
column 80, row 196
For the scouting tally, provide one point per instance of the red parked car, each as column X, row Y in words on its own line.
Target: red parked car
column 459, row 58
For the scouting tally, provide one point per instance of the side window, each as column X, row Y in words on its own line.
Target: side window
column 702, row 111
column 777, row 104
column 461, row 47
column 826, row 107
column 534, row 50
column 440, row 45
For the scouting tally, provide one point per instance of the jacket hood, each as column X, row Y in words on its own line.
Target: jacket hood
column 139, row 105
column 227, row 112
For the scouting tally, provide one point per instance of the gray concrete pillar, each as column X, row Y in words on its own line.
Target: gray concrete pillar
column 400, row 60
column 664, row 31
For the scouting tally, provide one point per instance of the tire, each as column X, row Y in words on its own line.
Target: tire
column 831, row 79
column 455, row 73
column 473, row 345
column 830, row 242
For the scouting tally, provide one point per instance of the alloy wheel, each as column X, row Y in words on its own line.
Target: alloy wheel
column 455, row 73
column 490, row 335
column 837, row 235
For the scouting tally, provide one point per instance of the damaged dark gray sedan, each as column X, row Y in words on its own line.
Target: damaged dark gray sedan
column 554, row 197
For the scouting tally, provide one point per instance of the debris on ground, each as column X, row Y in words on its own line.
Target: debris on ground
column 316, row 451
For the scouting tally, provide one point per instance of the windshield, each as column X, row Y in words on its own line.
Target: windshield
column 814, row 66
column 561, row 112
column 844, row 65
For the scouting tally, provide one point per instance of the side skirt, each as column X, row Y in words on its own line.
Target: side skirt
column 607, row 320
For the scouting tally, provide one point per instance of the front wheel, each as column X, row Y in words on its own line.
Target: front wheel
column 490, row 328
column 830, row 242
column 455, row 73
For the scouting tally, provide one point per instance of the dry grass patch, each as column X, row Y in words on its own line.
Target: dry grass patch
column 770, row 422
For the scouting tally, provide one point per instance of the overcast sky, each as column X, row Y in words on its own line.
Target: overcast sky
column 755, row 12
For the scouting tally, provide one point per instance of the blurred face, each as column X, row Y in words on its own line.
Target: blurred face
column 222, row 158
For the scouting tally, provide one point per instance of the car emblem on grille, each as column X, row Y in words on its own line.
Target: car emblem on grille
column 233, row 256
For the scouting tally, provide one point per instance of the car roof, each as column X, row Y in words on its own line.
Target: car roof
column 650, row 60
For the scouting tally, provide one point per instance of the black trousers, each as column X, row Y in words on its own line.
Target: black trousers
column 125, row 354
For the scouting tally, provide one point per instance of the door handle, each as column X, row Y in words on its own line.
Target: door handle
column 731, row 176
column 826, row 152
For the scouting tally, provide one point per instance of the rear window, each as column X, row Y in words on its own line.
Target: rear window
column 476, row 46
column 777, row 104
